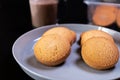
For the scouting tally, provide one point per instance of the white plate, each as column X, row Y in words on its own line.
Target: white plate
column 73, row 68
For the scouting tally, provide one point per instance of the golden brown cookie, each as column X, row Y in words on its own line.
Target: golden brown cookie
column 94, row 33
column 51, row 50
column 64, row 32
column 100, row 53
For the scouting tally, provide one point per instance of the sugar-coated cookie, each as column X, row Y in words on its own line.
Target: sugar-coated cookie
column 94, row 33
column 64, row 32
column 52, row 50
column 100, row 53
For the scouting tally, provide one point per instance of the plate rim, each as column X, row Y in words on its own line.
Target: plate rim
column 49, row 26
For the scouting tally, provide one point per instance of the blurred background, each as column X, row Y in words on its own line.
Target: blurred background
column 15, row 20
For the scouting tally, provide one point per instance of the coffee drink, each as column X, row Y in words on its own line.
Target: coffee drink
column 43, row 12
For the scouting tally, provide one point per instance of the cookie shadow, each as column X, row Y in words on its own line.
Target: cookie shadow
column 83, row 66
column 32, row 61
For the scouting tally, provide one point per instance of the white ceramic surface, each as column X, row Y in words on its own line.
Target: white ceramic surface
column 73, row 68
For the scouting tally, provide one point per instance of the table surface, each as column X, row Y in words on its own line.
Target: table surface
column 15, row 20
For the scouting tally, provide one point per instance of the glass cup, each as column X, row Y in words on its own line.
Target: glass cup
column 43, row 12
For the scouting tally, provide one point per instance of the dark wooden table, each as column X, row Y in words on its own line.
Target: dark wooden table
column 15, row 20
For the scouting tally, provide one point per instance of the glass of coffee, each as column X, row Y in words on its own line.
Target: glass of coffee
column 43, row 12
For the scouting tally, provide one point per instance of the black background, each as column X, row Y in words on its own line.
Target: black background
column 15, row 20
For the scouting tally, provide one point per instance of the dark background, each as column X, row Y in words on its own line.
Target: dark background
column 15, row 20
